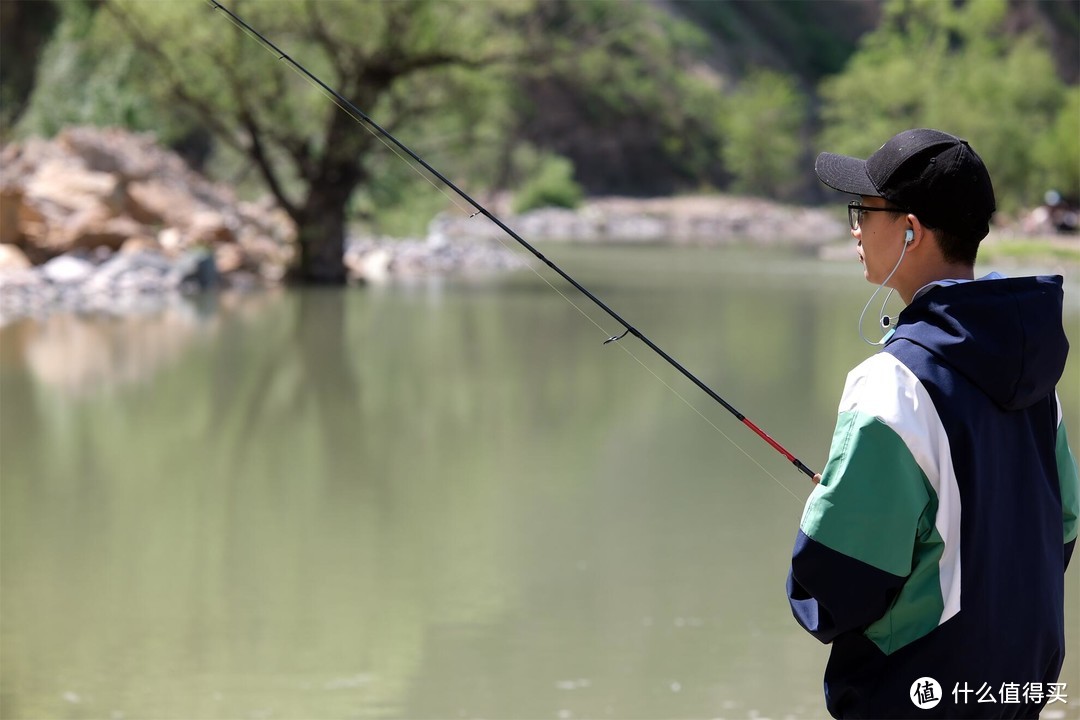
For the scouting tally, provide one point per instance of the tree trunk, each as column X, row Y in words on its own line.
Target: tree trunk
column 321, row 237
column 321, row 220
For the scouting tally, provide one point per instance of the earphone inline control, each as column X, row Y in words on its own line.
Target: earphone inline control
column 884, row 320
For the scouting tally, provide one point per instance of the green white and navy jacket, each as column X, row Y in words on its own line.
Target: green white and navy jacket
column 936, row 543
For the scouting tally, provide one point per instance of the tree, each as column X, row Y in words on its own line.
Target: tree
column 1058, row 151
column 85, row 77
column 623, row 91
column 950, row 66
column 455, row 79
column 24, row 29
column 762, row 139
column 397, row 61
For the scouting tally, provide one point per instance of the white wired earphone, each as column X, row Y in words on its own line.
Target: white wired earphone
column 884, row 320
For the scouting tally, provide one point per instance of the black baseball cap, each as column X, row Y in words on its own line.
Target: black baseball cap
column 933, row 175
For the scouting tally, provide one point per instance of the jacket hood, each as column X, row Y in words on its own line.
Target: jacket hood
column 1005, row 336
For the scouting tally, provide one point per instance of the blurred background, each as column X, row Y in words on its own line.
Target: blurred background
column 286, row 433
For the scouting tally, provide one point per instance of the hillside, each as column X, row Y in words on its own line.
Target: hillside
column 814, row 38
column 806, row 39
column 623, row 148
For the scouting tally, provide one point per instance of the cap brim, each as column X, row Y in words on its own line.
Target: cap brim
column 846, row 174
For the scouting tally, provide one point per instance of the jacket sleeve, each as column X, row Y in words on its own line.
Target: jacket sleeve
column 856, row 541
column 1070, row 487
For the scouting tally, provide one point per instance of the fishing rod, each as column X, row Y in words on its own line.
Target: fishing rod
column 481, row 210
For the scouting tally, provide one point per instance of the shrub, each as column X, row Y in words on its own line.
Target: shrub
column 551, row 184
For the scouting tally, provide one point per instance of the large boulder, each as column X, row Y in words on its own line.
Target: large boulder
column 92, row 188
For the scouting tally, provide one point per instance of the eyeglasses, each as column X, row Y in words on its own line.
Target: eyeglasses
column 855, row 211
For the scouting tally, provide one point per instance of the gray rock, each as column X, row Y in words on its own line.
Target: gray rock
column 122, row 284
column 67, row 270
column 198, row 268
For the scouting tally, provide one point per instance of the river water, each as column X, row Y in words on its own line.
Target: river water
column 433, row 500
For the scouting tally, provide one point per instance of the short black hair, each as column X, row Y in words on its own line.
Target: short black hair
column 955, row 248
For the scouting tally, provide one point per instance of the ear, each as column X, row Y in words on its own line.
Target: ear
column 918, row 232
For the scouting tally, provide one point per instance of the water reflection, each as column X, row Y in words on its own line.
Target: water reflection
column 439, row 501
column 85, row 353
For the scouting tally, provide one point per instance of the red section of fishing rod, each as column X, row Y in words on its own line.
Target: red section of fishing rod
column 778, row 447
column 361, row 115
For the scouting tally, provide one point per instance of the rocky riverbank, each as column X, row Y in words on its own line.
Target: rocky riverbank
column 106, row 221
column 457, row 243
column 691, row 219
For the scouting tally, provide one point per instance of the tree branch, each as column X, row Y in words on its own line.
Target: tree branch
column 319, row 32
column 256, row 150
column 206, row 114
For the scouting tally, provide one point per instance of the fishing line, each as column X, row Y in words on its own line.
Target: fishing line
column 710, row 422
column 383, row 135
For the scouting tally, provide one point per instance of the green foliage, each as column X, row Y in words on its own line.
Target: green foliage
column 398, row 202
column 950, row 66
column 1058, row 151
column 466, row 141
column 25, row 29
column 623, row 91
column 86, row 77
column 811, row 39
column 626, row 92
column 550, row 182
column 762, row 143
